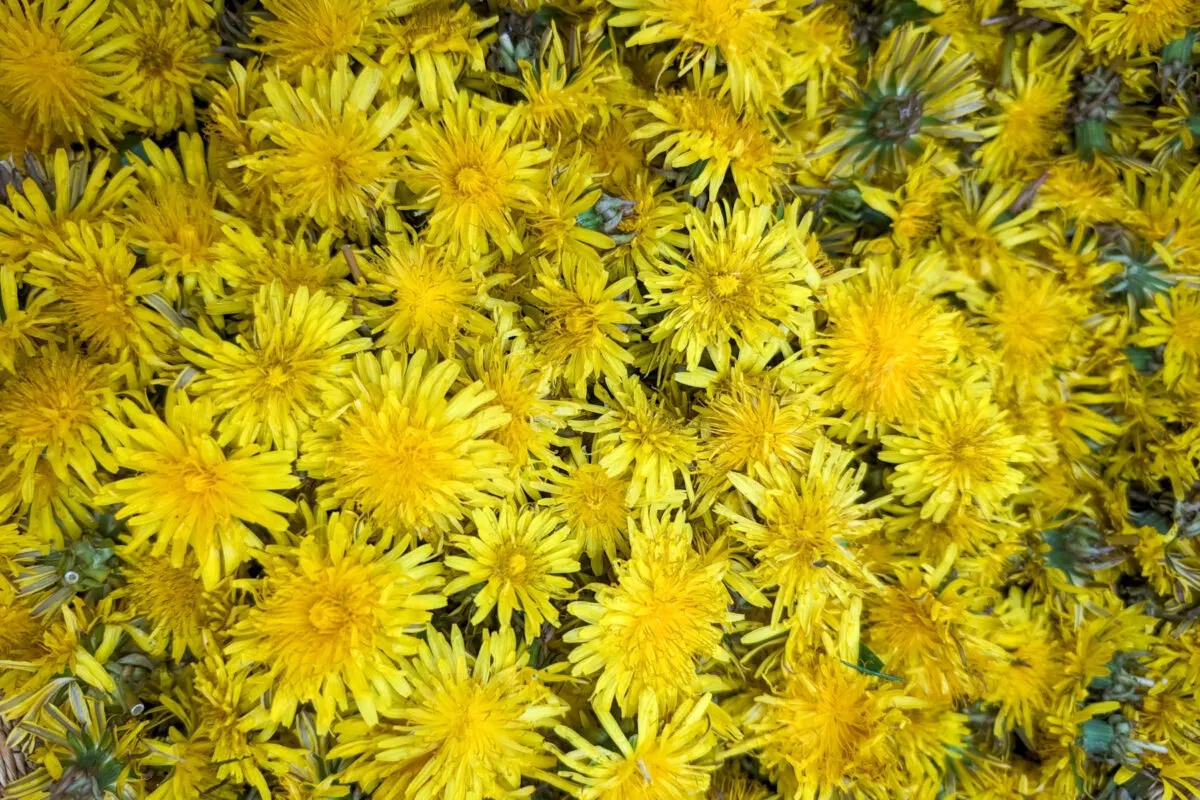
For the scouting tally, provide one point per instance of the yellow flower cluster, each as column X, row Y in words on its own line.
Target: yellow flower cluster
column 608, row 399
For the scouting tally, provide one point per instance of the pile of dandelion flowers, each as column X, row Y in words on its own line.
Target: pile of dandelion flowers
column 335, row 616
column 520, row 558
column 802, row 532
column 654, row 631
column 54, row 412
column 912, row 97
column 472, row 175
column 471, row 727
column 61, row 67
column 746, row 281
column 188, row 493
column 269, row 386
column 324, row 145
column 962, row 452
column 666, row 758
column 404, row 447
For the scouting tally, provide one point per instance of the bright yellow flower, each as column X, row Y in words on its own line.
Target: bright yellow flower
column 271, row 384
column 187, row 493
column 472, row 726
column 472, row 175
column 1174, row 323
column 519, row 558
column 335, row 614
column 408, row 450
column 431, row 46
column 181, row 614
column 656, row 631
column 961, row 453
column 318, row 33
column 593, row 505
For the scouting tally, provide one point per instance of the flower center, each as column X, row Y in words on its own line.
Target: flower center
column 469, row 180
column 725, row 285
column 896, row 117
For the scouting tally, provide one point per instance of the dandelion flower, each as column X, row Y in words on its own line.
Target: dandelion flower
column 336, row 613
column 101, row 294
column 583, row 324
column 1174, row 323
column 431, row 46
column 61, row 67
column 886, row 349
column 270, row 385
column 519, row 558
column 741, row 33
column 181, row 614
column 472, row 726
column 432, row 298
column 664, row 760
column 699, row 131
column 913, row 97
column 1140, row 26
column 745, row 282
column 187, row 493
column 962, row 452
column 802, row 539
column 592, row 504
column 318, row 33
column 54, row 412
column 659, row 626
column 407, row 450
column 472, row 175
column 642, row 436
column 171, row 58
column 325, row 145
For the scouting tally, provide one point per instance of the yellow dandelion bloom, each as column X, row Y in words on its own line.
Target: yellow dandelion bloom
column 699, row 129
column 172, row 58
column 801, row 542
column 436, row 296
column 1034, row 323
column 472, row 726
column 431, row 46
column 592, row 504
column 1174, row 324
column 269, row 385
column 561, row 97
column 53, row 412
column 555, row 217
column 519, row 558
column 61, row 68
column 1141, row 26
column 24, row 325
column 472, row 175
column 739, row 33
column 887, row 347
column 913, row 96
column 318, row 33
column 1029, row 125
column 643, row 436
column 1086, row 193
column 181, row 614
column 247, row 262
column 650, row 231
column 829, row 727
column 509, row 367
column 77, row 189
column 821, row 45
column 335, row 614
column 187, row 493
column 962, row 452
column 666, row 759
column 583, row 324
column 745, row 282
column 406, row 449
column 325, row 146
column 102, row 295
column 656, row 631
column 172, row 215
